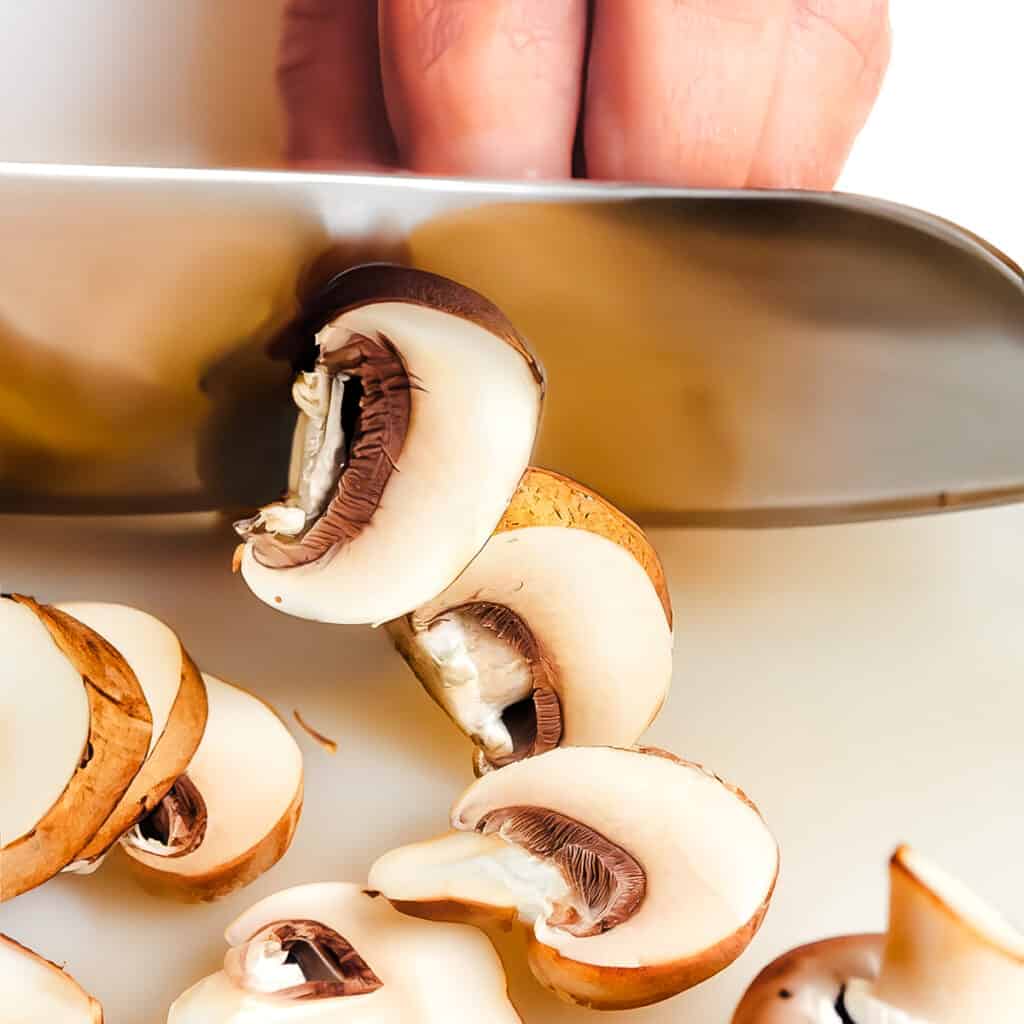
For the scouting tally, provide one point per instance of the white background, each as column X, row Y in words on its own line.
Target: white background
column 865, row 683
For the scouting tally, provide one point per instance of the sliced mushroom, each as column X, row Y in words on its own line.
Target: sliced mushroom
column 946, row 958
column 558, row 632
column 76, row 731
column 419, row 405
column 337, row 953
column 233, row 814
column 176, row 696
column 36, row 990
column 638, row 874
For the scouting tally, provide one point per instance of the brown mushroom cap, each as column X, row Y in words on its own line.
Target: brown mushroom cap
column 176, row 696
column 558, row 632
column 422, row 410
column 81, row 731
column 38, row 991
column 337, row 953
column 234, row 813
column 639, row 874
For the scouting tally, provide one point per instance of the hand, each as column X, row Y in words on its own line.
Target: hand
column 713, row 93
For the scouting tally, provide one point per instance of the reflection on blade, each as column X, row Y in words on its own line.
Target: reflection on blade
column 716, row 358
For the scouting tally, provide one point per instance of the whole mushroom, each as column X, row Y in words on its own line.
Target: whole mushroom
column 946, row 958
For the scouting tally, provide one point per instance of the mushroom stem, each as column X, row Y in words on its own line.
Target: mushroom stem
column 493, row 678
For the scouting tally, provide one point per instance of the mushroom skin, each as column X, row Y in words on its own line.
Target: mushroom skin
column 118, row 727
column 176, row 694
column 37, row 990
column 946, row 958
column 559, row 632
column 628, row 894
column 337, row 953
column 233, row 815
column 419, row 406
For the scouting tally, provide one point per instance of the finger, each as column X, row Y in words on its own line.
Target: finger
column 485, row 87
column 678, row 90
column 329, row 78
column 833, row 63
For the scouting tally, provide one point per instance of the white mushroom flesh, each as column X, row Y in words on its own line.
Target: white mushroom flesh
column 709, row 860
column 429, row 973
column 589, row 605
column 473, row 419
column 44, row 721
column 35, row 991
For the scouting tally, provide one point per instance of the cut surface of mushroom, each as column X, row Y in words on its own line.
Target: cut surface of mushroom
column 36, row 990
column 232, row 815
column 638, row 874
column 335, row 952
column 176, row 696
column 77, row 729
column 558, row 632
column 946, row 958
column 418, row 409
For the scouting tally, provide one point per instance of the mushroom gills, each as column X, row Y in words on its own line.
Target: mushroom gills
column 494, row 679
column 353, row 414
column 300, row 959
column 176, row 826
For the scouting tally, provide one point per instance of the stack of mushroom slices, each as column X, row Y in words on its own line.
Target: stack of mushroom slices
column 37, row 991
column 637, row 874
column 533, row 611
column 120, row 740
column 336, row 952
column 946, row 958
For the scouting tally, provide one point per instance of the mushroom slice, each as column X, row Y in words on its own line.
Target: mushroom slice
column 946, row 958
column 558, row 632
column 638, row 874
column 176, row 696
column 337, row 953
column 233, row 814
column 418, row 408
column 76, row 731
column 36, row 990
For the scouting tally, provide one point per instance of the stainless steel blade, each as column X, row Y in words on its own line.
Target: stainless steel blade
column 723, row 358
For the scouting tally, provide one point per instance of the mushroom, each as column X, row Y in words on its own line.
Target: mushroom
column 946, row 958
column 333, row 952
column 637, row 874
column 232, row 815
column 37, row 990
column 558, row 632
column 176, row 696
column 77, row 729
column 418, row 408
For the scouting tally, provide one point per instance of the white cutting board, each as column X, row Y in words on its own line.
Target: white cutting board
column 864, row 683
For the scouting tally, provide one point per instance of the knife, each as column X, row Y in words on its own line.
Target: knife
column 714, row 358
